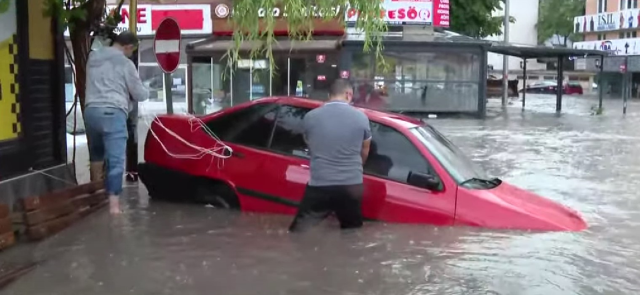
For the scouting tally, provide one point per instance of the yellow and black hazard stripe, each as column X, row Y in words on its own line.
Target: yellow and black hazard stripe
column 9, row 90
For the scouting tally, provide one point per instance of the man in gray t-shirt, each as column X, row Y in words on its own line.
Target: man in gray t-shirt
column 338, row 136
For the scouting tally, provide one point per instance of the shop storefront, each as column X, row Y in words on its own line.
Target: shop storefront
column 32, row 140
column 425, row 70
column 302, row 68
column 195, row 22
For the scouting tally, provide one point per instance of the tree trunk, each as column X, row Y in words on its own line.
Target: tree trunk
column 80, row 36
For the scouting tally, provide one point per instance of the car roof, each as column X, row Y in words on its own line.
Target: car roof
column 391, row 119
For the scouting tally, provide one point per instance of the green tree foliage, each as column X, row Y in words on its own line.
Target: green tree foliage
column 555, row 17
column 248, row 16
column 83, row 18
column 475, row 18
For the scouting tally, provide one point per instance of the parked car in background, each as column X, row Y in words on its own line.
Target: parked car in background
column 550, row 87
column 573, row 87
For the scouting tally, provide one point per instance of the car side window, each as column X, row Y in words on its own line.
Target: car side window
column 251, row 126
column 393, row 156
column 288, row 136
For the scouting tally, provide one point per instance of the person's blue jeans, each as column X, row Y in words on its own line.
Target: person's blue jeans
column 107, row 133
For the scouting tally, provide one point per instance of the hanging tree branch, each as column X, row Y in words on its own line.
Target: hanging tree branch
column 253, row 23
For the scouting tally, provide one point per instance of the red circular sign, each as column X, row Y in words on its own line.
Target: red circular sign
column 166, row 45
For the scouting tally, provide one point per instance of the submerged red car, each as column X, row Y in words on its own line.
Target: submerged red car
column 413, row 173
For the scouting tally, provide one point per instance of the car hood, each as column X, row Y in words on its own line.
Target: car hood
column 509, row 207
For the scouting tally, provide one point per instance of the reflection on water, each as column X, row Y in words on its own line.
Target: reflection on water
column 589, row 163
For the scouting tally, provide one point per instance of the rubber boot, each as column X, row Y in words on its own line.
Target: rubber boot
column 96, row 170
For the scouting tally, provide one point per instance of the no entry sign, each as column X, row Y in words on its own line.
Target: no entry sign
column 167, row 45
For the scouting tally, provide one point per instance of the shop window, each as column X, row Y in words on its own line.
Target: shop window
column 288, row 135
column 393, row 156
column 602, row 6
column 534, row 77
column 628, row 4
column 151, row 76
column 362, row 66
column 251, row 126
column 548, row 77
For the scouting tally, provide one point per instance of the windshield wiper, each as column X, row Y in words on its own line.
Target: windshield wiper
column 492, row 182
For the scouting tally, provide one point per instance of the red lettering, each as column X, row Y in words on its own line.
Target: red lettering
column 141, row 15
column 402, row 13
column 125, row 16
column 392, row 14
column 412, row 13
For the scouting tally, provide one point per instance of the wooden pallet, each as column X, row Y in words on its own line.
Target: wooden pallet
column 46, row 215
column 7, row 237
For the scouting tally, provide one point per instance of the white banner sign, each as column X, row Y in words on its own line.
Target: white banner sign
column 607, row 21
column 408, row 12
column 194, row 19
column 614, row 47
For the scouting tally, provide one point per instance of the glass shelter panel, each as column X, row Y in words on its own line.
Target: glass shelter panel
column 426, row 81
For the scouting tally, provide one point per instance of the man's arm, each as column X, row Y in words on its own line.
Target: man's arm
column 134, row 84
column 366, row 144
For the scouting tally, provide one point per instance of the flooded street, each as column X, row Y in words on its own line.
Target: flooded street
column 589, row 163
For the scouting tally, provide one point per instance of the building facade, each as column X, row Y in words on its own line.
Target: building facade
column 32, row 137
column 613, row 26
column 523, row 31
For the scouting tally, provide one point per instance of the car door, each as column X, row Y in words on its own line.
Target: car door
column 287, row 169
column 388, row 196
column 247, row 132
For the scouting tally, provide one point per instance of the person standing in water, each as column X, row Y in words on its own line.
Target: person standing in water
column 112, row 79
column 338, row 136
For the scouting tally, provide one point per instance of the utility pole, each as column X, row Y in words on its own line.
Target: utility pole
column 132, row 121
column 505, row 58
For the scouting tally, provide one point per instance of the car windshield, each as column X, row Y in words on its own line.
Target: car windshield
column 449, row 156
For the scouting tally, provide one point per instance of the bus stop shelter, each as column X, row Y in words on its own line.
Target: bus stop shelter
column 534, row 52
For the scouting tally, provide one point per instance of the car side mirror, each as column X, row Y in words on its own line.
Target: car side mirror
column 423, row 180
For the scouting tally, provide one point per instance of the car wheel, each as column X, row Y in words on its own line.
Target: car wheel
column 218, row 195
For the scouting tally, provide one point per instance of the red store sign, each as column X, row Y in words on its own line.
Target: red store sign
column 194, row 19
column 410, row 12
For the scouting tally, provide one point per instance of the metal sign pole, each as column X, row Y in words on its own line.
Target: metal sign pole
column 132, row 121
column 627, row 86
column 524, row 83
column 168, row 95
column 600, row 84
column 505, row 61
